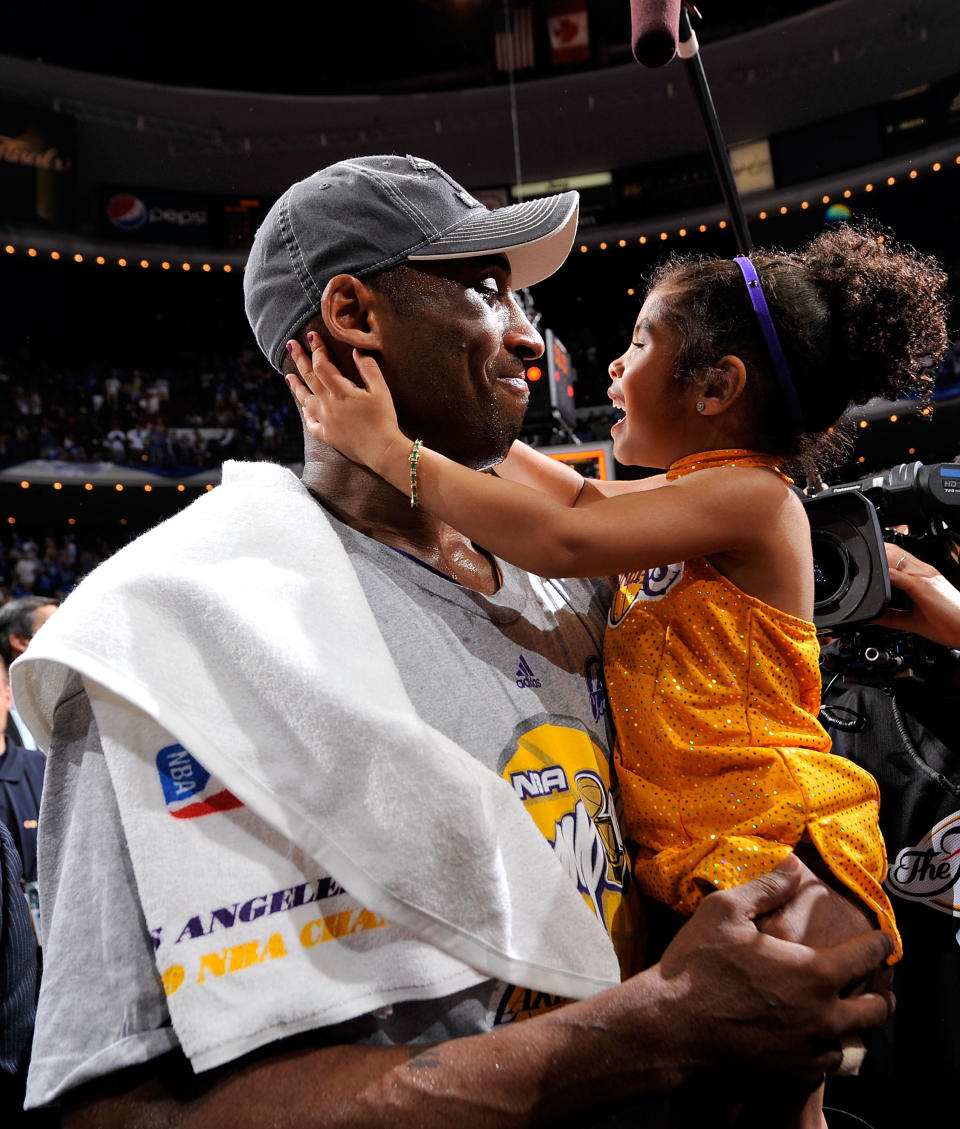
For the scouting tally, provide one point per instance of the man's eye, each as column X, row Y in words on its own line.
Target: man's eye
column 488, row 287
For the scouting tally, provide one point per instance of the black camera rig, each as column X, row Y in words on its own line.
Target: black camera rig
column 911, row 505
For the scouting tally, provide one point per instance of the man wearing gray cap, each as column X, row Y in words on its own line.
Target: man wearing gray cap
column 329, row 807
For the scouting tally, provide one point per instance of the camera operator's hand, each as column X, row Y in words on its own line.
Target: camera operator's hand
column 936, row 603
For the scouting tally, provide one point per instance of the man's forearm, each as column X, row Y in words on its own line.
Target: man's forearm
column 723, row 995
column 584, row 1056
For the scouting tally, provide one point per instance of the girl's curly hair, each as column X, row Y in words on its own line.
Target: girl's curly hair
column 857, row 317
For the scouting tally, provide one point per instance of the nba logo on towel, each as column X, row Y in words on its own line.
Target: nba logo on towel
column 188, row 788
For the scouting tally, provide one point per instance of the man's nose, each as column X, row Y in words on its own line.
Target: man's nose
column 520, row 337
column 615, row 368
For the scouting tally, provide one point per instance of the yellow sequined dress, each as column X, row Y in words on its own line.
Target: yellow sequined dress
column 723, row 765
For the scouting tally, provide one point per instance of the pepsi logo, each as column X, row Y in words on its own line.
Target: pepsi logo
column 126, row 212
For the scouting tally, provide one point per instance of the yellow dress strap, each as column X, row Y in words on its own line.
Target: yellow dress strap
column 732, row 456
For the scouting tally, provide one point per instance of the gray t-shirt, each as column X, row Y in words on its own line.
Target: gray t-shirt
column 514, row 678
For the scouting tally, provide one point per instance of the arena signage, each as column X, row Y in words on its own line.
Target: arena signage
column 37, row 158
column 157, row 217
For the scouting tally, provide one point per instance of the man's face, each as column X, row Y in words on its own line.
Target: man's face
column 455, row 344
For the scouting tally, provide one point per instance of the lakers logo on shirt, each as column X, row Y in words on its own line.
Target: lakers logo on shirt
column 647, row 584
column 563, row 779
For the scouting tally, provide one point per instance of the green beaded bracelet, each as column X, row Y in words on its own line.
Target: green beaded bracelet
column 414, row 455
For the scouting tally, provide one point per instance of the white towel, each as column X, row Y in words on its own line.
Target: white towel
column 240, row 626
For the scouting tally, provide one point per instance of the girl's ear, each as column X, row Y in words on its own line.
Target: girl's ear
column 725, row 385
column 349, row 313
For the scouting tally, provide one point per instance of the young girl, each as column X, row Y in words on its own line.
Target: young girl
column 734, row 368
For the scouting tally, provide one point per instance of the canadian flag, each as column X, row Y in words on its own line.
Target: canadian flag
column 569, row 30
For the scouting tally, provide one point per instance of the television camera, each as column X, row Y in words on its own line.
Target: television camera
column 912, row 505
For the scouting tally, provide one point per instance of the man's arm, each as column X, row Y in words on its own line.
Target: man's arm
column 723, row 995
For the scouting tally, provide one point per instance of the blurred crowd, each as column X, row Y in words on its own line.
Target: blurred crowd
column 48, row 566
column 192, row 414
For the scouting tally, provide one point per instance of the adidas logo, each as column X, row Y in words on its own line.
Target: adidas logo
column 525, row 676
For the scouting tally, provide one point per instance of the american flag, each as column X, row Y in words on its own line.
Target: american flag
column 514, row 39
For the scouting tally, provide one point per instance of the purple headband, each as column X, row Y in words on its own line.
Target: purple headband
column 782, row 370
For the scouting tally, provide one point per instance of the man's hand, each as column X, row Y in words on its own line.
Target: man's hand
column 936, row 603
column 760, row 1004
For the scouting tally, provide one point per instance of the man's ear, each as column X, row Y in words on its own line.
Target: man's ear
column 18, row 644
column 351, row 312
column 724, row 387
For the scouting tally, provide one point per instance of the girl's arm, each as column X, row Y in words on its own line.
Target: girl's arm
column 530, row 467
column 524, row 526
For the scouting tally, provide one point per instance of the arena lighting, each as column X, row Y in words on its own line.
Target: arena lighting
column 763, row 215
column 936, row 166
column 663, row 235
column 25, row 485
column 209, row 486
column 682, row 232
column 894, row 418
column 78, row 258
column 181, row 487
column 11, row 521
column 58, row 486
column 165, row 265
column 534, row 373
column 583, row 248
column 868, row 188
column 863, row 423
column 581, row 454
column 824, row 199
column 9, row 248
column 722, row 224
column 783, row 209
column 631, row 292
column 805, row 204
column 227, row 268
column 623, row 243
column 186, row 266
column 891, row 180
column 147, row 488
column 643, row 239
column 119, row 487
column 32, row 252
column 913, row 174
column 55, row 255
column 603, row 246
column 703, row 227
column 206, row 267
column 121, row 262
column 144, row 263
column 912, row 451
column 88, row 486
column 100, row 260
column 71, row 521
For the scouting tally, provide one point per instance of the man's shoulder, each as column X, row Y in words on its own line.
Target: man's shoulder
column 18, row 761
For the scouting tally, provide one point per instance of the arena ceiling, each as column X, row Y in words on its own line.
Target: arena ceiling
column 327, row 48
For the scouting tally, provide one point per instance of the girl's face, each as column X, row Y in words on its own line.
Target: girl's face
column 657, row 411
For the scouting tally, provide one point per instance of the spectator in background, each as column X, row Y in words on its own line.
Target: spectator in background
column 21, row 781
column 19, row 622
column 18, row 983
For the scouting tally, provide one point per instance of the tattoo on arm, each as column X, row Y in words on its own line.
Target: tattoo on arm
column 423, row 1060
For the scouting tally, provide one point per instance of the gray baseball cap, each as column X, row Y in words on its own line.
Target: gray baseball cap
column 368, row 214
